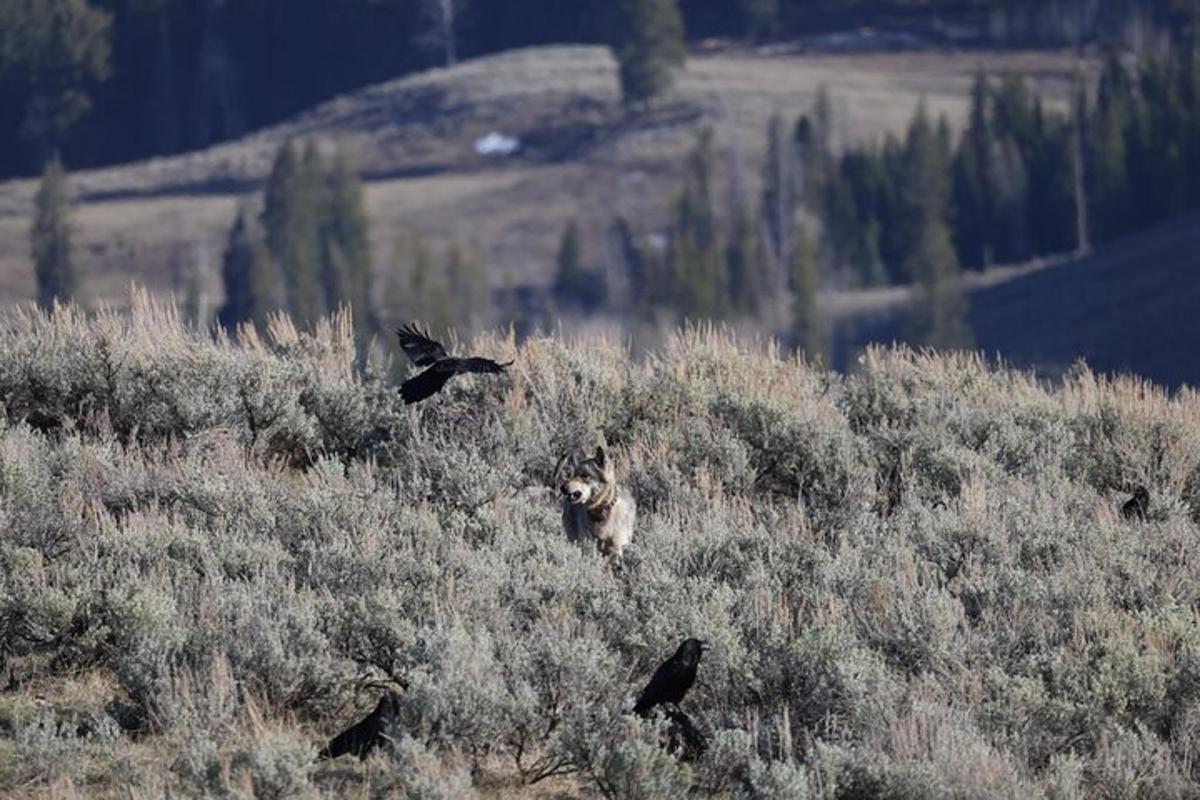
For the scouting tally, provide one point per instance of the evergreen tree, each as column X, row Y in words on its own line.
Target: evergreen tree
column 54, row 51
column 571, row 285
column 750, row 283
column 923, row 184
column 939, row 310
column 808, row 329
column 780, row 189
column 973, row 218
column 696, row 277
column 347, row 246
column 252, row 284
column 50, row 237
column 648, row 46
column 291, row 216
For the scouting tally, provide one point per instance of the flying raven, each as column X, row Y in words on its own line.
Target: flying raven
column 1138, row 506
column 365, row 735
column 673, row 677
column 425, row 352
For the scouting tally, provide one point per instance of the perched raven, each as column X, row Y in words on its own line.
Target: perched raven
column 1138, row 506
column 673, row 677
column 365, row 735
column 425, row 352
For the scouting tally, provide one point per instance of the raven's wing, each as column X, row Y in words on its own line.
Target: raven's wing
column 417, row 345
column 461, row 365
column 427, row 384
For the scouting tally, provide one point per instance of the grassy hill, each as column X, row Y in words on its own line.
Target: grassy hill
column 1130, row 307
column 916, row 580
column 583, row 157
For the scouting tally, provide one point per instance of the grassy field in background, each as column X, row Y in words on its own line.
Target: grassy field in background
column 583, row 157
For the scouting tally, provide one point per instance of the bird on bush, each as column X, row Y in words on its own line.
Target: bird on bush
column 426, row 352
column 1138, row 506
column 673, row 677
column 368, row 733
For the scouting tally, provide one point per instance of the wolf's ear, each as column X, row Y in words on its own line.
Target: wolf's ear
column 560, row 470
column 601, row 459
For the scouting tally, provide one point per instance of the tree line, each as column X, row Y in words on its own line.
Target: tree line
column 103, row 81
column 1020, row 180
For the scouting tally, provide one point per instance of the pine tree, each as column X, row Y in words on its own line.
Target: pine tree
column 780, row 189
column 973, row 220
column 746, row 259
column 923, row 185
column 346, row 245
column 939, row 310
column 697, row 278
column 291, row 216
column 571, row 285
column 50, row 237
column 58, row 49
column 808, row 329
column 648, row 46
column 253, row 288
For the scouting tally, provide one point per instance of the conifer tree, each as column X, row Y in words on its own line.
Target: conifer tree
column 571, row 285
column 808, row 329
column 50, row 238
column 780, row 189
column 346, row 245
column 648, row 46
column 939, row 310
column 923, row 183
column 750, row 283
column 291, row 217
column 697, row 275
column 972, row 196
column 252, row 284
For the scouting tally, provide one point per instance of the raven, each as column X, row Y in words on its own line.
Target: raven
column 425, row 352
column 673, row 677
column 1138, row 506
column 365, row 735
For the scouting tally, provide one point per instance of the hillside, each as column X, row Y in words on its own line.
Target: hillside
column 916, row 581
column 582, row 156
column 1130, row 307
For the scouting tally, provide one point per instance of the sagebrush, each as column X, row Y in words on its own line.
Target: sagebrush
column 916, row 580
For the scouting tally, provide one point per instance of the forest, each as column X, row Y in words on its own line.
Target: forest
column 106, row 81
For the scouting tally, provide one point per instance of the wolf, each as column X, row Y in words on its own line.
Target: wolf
column 594, row 508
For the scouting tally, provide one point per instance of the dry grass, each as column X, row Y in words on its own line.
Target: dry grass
column 916, row 579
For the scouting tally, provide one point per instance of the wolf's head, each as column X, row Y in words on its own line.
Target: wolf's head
column 587, row 481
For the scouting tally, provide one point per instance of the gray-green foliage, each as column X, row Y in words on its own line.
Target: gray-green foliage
column 50, row 238
column 648, row 46
column 218, row 544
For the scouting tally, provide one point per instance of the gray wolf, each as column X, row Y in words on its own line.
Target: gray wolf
column 594, row 508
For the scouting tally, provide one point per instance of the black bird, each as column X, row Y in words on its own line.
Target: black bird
column 1138, row 506
column 365, row 735
column 425, row 352
column 673, row 677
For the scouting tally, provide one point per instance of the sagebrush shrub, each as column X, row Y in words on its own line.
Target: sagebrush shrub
column 916, row 579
